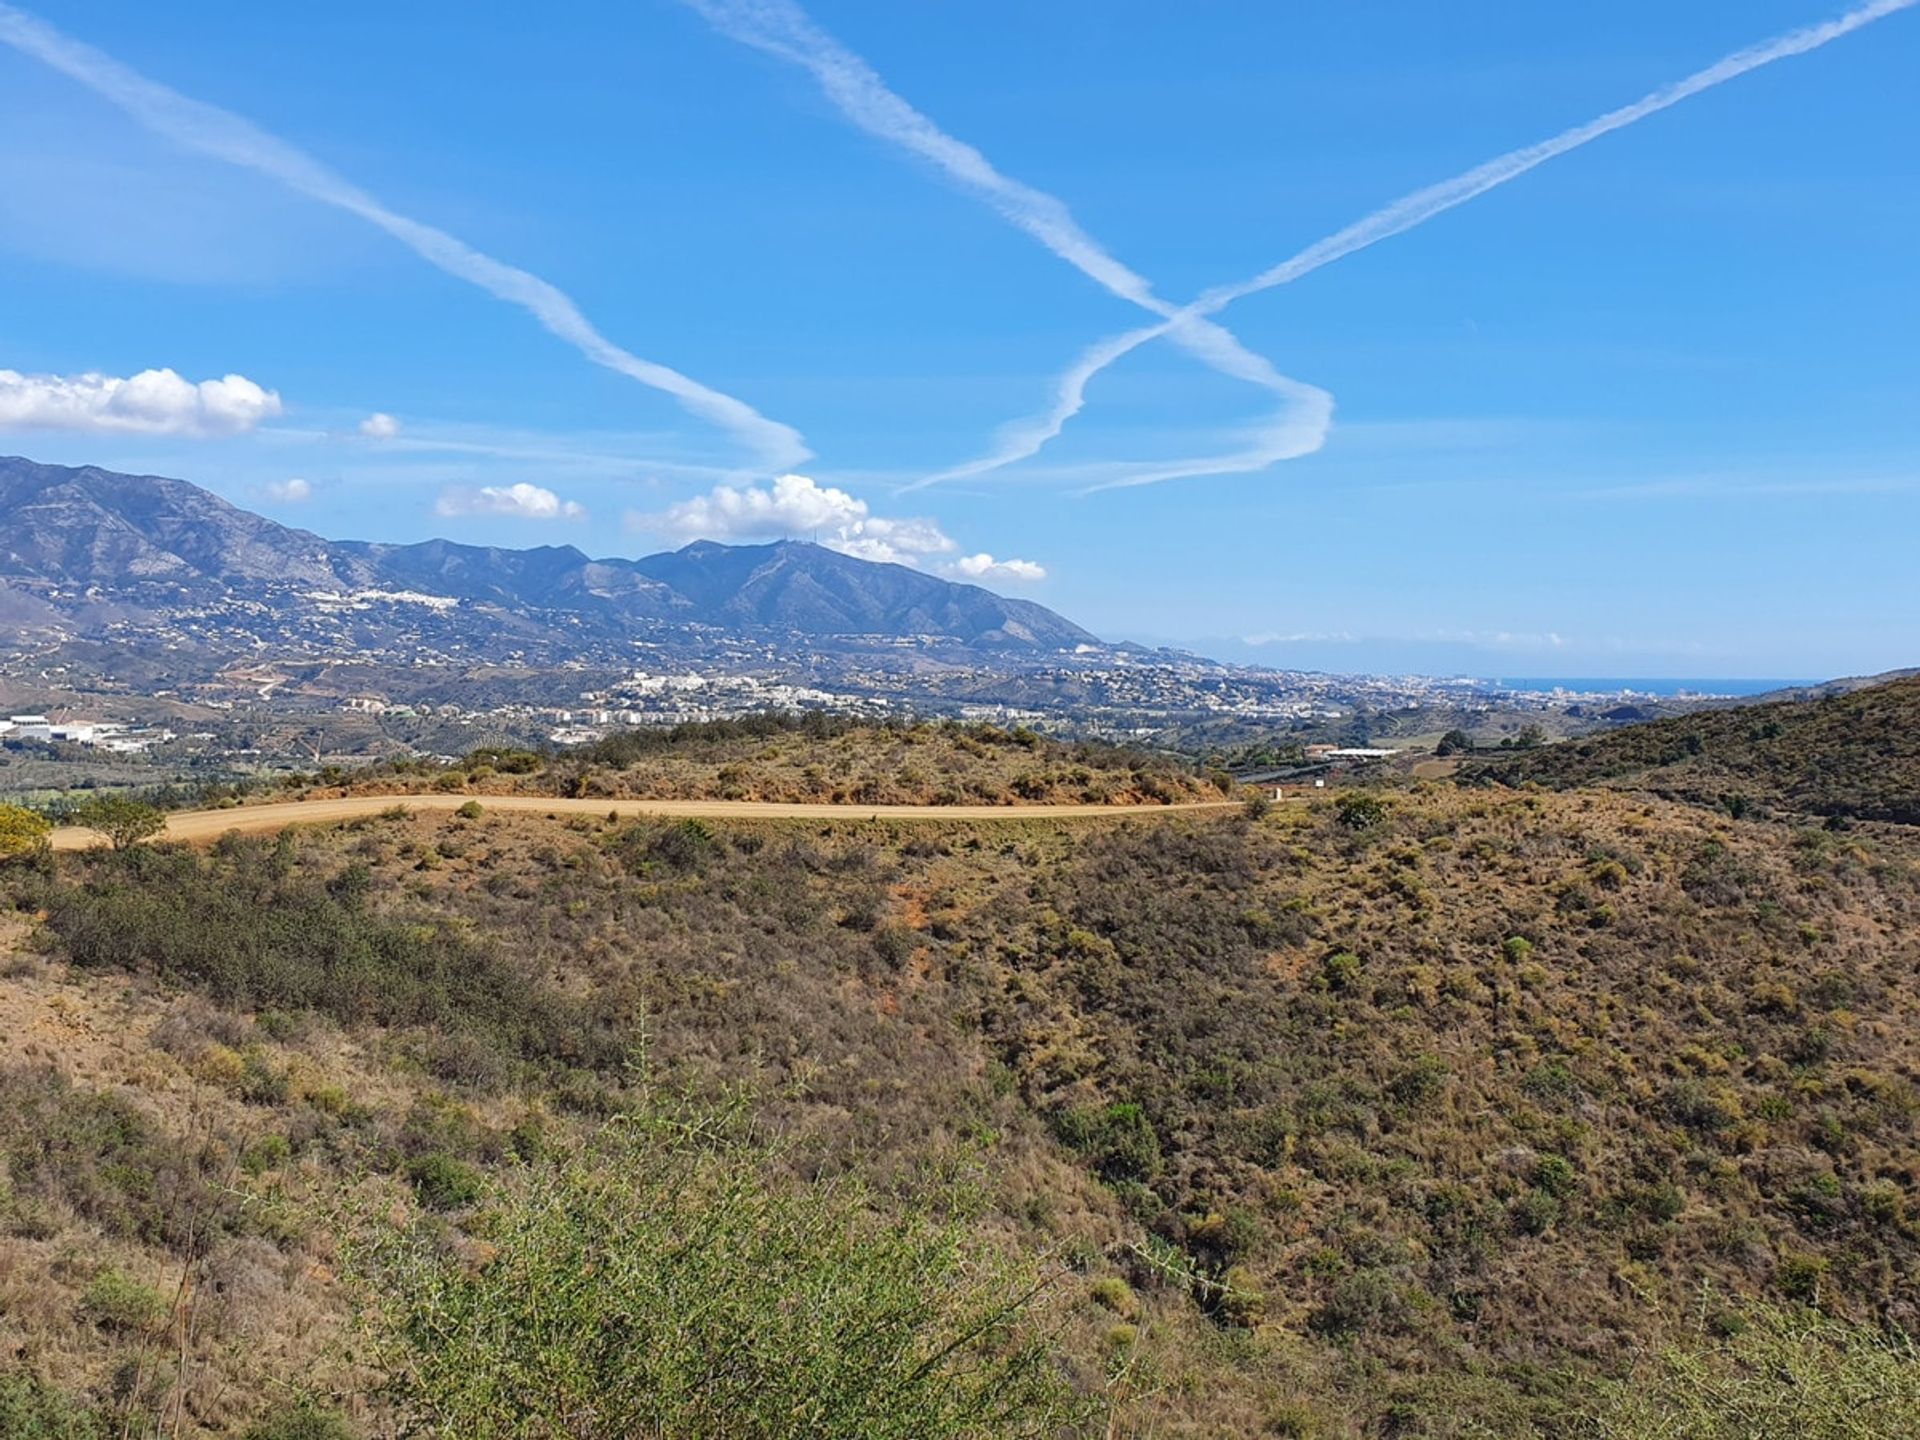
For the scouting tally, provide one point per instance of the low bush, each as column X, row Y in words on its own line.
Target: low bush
column 250, row 935
column 32, row 1410
column 1782, row 1374
column 659, row 1281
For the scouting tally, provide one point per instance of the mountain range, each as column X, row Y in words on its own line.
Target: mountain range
column 90, row 553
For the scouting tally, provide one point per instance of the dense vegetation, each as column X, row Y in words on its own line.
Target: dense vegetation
column 1442, row 1112
column 1852, row 756
column 656, row 1282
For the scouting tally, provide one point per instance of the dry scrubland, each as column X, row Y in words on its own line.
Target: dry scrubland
column 816, row 759
column 1853, row 756
column 1426, row 1114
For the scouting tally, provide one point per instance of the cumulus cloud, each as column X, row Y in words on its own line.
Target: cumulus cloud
column 984, row 567
column 797, row 506
column 524, row 501
column 792, row 505
column 380, row 426
column 288, row 492
column 154, row 402
column 897, row 542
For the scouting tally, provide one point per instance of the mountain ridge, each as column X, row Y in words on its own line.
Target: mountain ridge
column 95, row 546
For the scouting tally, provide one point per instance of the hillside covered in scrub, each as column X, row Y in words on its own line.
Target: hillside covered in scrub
column 1848, row 756
column 817, row 758
column 1433, row 1114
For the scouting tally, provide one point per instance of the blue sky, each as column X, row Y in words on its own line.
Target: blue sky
column 1651, row 408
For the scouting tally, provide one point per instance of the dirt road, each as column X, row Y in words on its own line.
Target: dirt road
column 252, row 819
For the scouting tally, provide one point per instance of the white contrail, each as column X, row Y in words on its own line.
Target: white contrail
column 226, row 136
column 782, row 29
column 1025, row 439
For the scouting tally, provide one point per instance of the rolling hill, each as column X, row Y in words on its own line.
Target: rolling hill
column 1849, row 755
column 1437, row 1118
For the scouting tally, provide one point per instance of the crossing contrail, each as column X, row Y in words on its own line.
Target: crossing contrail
column 204, row 128
column 782, row 29
column 1025, row 439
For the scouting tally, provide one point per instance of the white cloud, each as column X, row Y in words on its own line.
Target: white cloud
column 1300, row 637
column 154, row 402
column 528, row 502
column 380, row 426
column 799, row 507
column 792, row 505
column 899, row 542
column 1480, row 639
column 288, row 492
column 1305, row 415
column 208, row 130
column 984, row 567
column 1283, row 441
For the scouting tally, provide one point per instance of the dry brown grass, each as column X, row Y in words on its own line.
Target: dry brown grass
column 1444, row 1181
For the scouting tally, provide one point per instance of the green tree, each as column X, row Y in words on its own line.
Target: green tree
column 1359, row 809
column 22, row 832
column 124, row 821
column 652, row 1285
column 1454, row 742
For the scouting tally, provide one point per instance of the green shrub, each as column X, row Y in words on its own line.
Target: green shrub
column 1341, row 970
column 31, row 1410
column 114, row 1300
column 682, row 845
column 442, row 1182
column 1535, row 1212
column 268, row 1152
column 93, row 1153
column 252, row 935
column 22, row 832
column 654, row 1283
column 1555, row 1175
column 1800, row 1277
column 1118, row 1139
column 1421, row 1081
column 1784, row 1374
column 1359, row 809
column 1113, row 1293
column 302, row 1420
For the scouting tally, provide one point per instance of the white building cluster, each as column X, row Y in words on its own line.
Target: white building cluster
column 108, row 735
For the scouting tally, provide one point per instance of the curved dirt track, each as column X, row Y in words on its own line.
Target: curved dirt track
column 211, row 824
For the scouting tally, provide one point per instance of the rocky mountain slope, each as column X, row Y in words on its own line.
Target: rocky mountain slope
column 86, row 551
